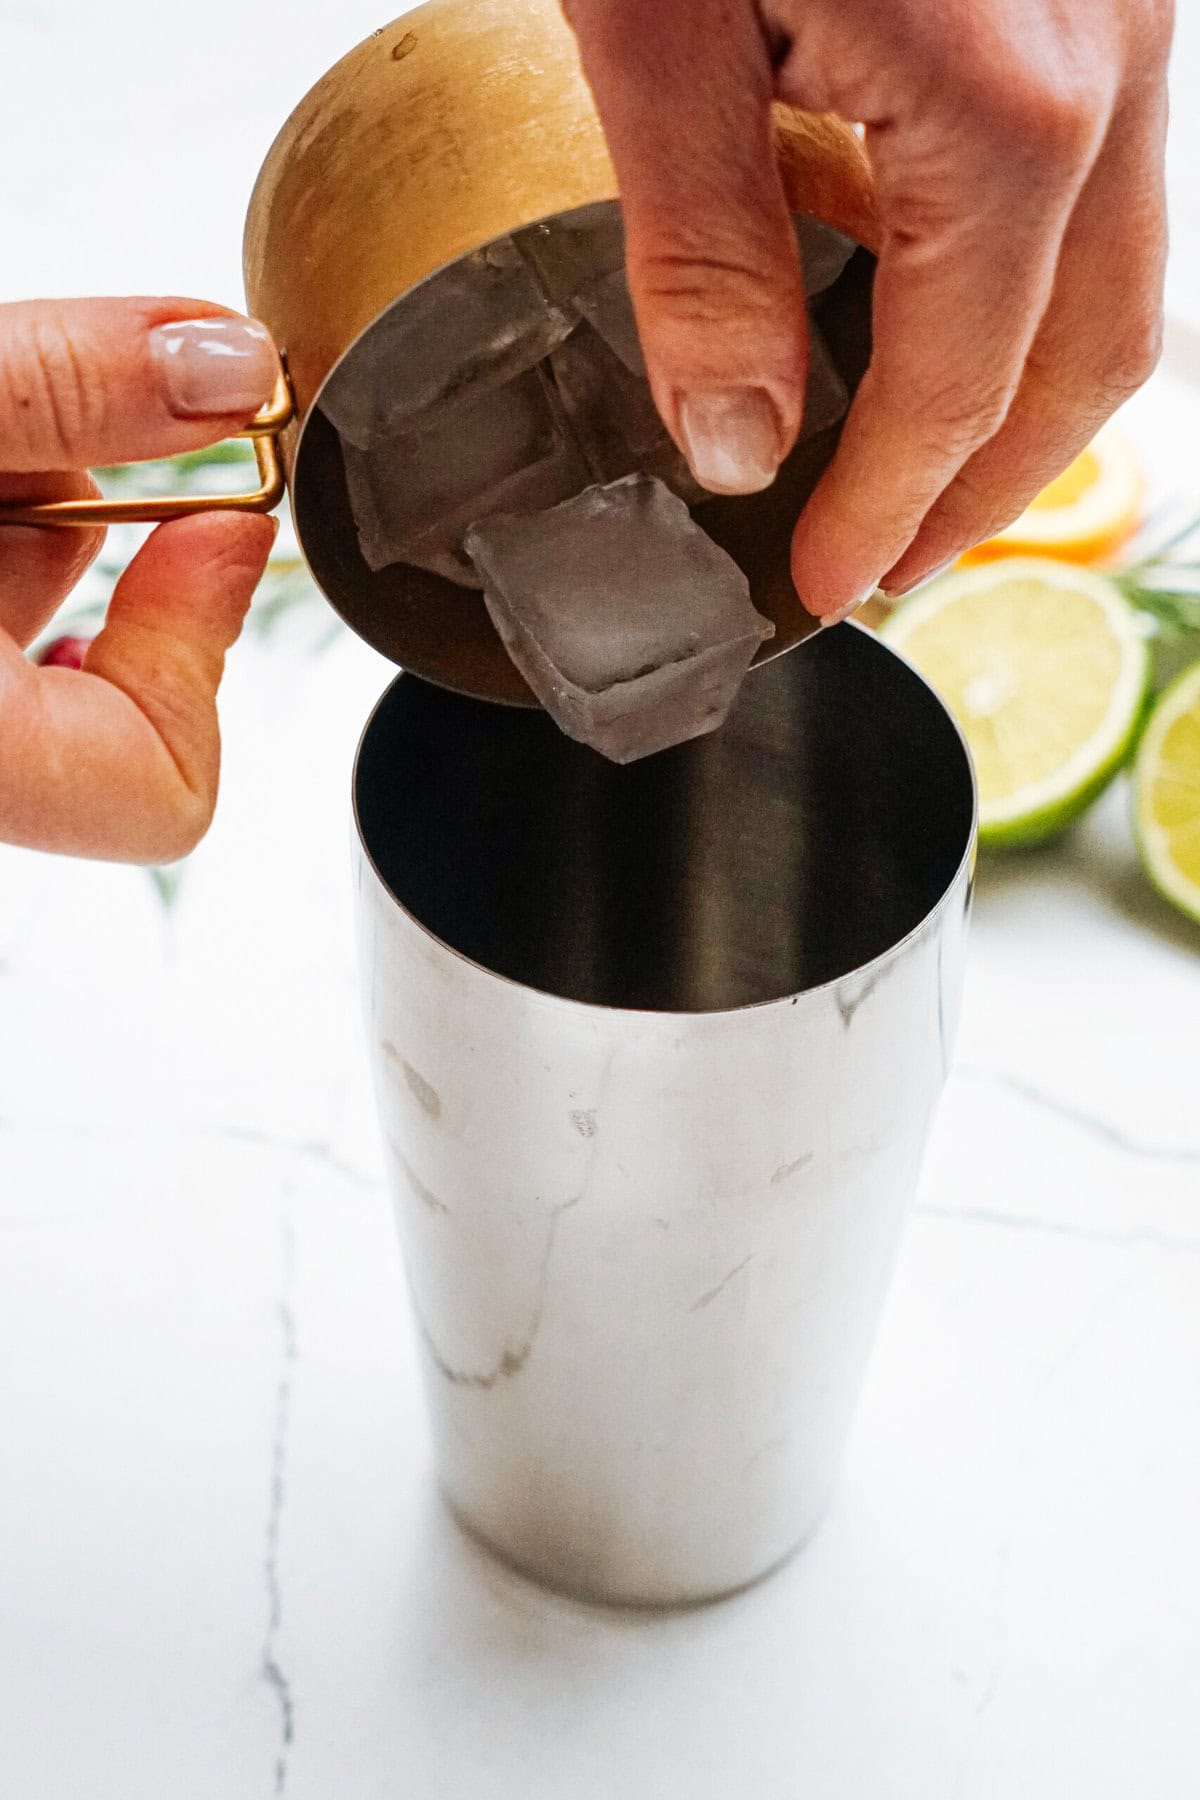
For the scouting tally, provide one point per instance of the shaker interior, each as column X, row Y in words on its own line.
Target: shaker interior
column 441, row 631
column 810, row 835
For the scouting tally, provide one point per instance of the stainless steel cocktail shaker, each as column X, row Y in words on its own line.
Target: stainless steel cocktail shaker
column 656, row 1051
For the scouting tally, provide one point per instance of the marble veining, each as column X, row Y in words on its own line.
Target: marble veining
column 273, row 1672
column 1104, row 1129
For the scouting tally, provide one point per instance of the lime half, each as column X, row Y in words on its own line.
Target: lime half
column 1046, row 668
column 1166, row 794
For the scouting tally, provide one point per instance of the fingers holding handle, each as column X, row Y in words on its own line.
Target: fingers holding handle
column 121, row 759
column 84, row 383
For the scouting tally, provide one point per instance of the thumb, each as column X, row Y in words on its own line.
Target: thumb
column 684, row 91
column 121, row 760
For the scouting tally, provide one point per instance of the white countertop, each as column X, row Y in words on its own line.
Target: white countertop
column 223, row 1571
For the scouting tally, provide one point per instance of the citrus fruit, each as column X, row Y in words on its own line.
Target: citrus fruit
column 1046, row 668
column 1083, row 515
column 1166, row 794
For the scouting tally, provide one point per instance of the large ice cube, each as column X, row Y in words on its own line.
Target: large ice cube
column 414, row 494
column 824, row 252
column 613, row 417
column 472, row 326
column 631, row 626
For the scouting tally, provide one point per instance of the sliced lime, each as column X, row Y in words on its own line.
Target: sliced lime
column 1046, row 667
column 1166, row 794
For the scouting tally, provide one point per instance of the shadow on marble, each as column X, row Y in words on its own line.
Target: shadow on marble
column 481, row 1668
column 1098, row 855
column 1135, row 899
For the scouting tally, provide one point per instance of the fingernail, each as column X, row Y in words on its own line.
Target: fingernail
column 215, row 368
column 900, row 593
column 732, row 439
column 844, row 612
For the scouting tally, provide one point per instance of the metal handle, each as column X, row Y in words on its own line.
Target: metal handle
column 263, row 430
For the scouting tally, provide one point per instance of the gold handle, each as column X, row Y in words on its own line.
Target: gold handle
column 263, row 430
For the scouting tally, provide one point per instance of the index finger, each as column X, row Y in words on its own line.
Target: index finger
column 89, row 382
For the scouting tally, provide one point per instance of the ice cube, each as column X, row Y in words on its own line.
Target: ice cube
column 574, row 249
column 824, row 252
column 612, row 415
column 607, row 306
column 631, row 626
column 414, row 494
column 472, row 326
column 826, row 395
column 579, row 261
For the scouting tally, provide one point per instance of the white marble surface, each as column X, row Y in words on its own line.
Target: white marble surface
column 222, row 1568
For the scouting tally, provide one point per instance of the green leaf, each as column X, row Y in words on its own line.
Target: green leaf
column 230, row 450
column 233, row 450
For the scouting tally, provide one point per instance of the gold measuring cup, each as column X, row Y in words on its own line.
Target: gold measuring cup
column 457, row 124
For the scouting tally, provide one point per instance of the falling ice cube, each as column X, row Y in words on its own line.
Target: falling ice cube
column 472, row 326
column 631, row 626
column 413, row 495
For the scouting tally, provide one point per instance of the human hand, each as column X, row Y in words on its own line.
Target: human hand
column 1018, row 159
column 120, row 759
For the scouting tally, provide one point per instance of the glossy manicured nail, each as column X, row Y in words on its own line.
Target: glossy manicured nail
column 845, row 612
column 732, row 439
column 215, row 368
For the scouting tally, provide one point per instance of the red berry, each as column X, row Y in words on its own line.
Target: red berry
column 64, row 653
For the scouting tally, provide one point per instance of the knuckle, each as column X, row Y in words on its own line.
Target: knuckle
column 958, row 418
column 51, row 406
column 1135, row 356
column 707, row 288
column 1063, row 126
column 1056, row 121
column 73, row 407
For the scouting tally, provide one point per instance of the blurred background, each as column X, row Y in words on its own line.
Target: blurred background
column 222, row 1571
